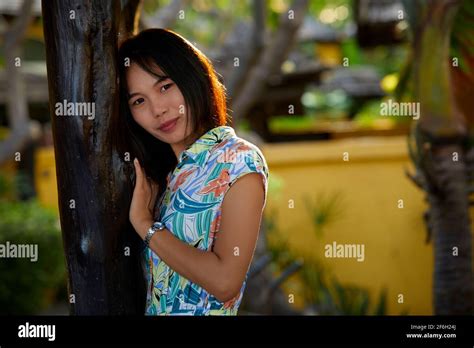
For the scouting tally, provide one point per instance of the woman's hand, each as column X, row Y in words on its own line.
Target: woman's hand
column 143, row 201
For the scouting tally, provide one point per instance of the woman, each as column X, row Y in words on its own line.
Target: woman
column 202, row 231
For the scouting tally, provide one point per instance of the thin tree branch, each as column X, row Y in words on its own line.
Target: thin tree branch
column 251, row 53
column 270, row 60
column 129, row 18
column 17, row 104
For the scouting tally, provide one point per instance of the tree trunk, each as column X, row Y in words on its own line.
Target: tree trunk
column 440, row 160
column 449, row 219
column 102, row 250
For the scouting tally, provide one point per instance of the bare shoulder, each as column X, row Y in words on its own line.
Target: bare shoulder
column 247, row 190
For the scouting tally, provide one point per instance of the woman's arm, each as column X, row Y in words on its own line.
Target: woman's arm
column 220, row 271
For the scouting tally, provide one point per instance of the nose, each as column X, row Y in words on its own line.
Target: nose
column 159, row 107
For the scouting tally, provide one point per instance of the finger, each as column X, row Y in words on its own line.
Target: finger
column 138, row 170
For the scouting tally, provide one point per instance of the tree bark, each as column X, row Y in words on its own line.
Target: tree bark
column 449, row 218
column 102, row 250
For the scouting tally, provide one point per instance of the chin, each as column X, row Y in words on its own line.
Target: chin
column 171, row 138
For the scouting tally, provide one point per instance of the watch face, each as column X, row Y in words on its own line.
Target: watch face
column 158, row 225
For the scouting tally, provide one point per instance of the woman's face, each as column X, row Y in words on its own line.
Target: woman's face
column 158, row 106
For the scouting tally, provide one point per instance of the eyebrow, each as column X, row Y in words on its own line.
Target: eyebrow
column 161, row 78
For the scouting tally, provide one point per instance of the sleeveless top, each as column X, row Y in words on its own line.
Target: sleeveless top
column 190, row 207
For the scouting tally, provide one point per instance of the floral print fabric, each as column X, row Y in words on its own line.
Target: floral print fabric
column 190, row 208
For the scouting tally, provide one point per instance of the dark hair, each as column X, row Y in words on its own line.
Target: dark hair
column 194, row 75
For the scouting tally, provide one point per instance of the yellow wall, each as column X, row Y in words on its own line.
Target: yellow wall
column 45, row 177
column 371, row 183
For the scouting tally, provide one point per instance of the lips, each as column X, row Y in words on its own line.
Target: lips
column 165, row 125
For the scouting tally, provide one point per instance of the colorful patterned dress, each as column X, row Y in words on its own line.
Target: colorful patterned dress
column 191, row 209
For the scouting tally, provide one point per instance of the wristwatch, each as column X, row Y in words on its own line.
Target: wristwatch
column 157, row 226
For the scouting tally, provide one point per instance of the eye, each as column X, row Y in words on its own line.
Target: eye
column 138, row 101
column 166, row 87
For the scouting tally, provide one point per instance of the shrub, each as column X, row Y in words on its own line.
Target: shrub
column 27, row 287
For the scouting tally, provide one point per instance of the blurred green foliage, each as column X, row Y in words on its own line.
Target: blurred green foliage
column 327, row 105
column 26, row 286
column 290, row 123
column 462, row 36
column 207, row 22
column 368, row 113
column 329, row 297
column 385, row 59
